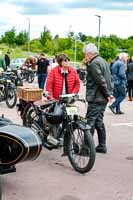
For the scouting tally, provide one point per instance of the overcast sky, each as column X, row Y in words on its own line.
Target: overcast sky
column 61, row 16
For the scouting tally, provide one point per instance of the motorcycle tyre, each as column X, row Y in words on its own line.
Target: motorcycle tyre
column 92, row 155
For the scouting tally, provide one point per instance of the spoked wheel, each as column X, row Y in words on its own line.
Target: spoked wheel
column 11, row 98
column 30, row 77
column 81, row 150
column 29, row 116
column 32, row 121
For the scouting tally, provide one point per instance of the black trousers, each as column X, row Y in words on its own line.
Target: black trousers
column 130, row 88
column 94, row 115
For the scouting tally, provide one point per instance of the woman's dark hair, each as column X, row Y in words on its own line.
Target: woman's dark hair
column 62, row 57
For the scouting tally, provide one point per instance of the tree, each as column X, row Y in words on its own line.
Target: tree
column 108, row 50
column 82, row 36
column 130, row 51
column 22, row 38
column 36, row 46
column 9, row 37
column 45, row 36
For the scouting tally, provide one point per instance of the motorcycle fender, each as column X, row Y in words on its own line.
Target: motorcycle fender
column 82, row 125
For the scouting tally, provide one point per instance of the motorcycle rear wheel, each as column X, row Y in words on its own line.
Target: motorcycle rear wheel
column 81, row 150
column 30, row 77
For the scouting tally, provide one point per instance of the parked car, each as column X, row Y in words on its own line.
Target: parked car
column 17, row 63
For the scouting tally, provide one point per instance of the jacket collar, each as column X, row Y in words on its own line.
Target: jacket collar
column 60, row 69
column 94, row 58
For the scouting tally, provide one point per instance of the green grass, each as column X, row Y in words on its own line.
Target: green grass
column 16, row 52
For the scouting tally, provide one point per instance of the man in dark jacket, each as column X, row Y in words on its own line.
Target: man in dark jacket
column 7, row 59
column 98, row 92
column 42, row 68
column 2, row 62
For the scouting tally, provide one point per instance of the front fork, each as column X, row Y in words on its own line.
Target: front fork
column 76, row 123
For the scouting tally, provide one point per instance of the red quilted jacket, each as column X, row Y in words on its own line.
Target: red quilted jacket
column 54, row 82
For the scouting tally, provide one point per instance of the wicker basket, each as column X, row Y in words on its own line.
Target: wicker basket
column 29, row 94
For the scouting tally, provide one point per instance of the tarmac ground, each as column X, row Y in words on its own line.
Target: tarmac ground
column 51, row 177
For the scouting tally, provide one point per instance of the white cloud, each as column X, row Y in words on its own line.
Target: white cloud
column 83, row 20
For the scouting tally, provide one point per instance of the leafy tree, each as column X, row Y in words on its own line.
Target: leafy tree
column 45, row 36
column 108, row 50
column 22, row 38
column 64, row 43
column 130, row 51
column 56, row 37
column 71, row 34
column 36, row 46
column 9, row 37
column 82, row 36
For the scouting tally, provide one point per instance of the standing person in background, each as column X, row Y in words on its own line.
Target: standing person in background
column 2, row 62
column 129, row 74
column 7, row 59
column 53, row 64
column 98, row 93
column 120, row 82
column 42, row 70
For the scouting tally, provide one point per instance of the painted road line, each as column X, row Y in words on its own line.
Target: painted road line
column 124, row 124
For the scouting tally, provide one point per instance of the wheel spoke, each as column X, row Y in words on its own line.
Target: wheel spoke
column 79, row 149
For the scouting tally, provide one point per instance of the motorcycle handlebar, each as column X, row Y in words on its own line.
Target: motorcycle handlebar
column 76, row 97
column 82, row 100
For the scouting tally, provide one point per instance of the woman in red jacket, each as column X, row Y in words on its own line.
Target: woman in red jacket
column 63, row 79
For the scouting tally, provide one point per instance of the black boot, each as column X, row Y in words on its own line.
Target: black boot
column 101, row 148
column 101, row 132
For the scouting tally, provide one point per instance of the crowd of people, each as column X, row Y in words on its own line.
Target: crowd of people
column 104, row 83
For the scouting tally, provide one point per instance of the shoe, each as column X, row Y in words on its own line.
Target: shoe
column 130, row 99
column 101, row 149
column 112, row 109
column 119, row 113
column 64, row 154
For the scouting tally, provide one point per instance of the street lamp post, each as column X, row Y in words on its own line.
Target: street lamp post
column 75, row 50
column 28, row 34
column 99, row 28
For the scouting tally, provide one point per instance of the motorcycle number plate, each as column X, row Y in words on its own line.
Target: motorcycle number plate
column 72, row 110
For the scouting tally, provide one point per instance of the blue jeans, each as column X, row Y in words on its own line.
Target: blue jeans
column 41, row 80
column 119, row 94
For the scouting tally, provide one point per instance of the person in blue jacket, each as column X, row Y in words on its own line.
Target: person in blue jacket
column 120, row 82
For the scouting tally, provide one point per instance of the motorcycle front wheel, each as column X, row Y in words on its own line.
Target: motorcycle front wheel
column 81, row 150
column 11, row 97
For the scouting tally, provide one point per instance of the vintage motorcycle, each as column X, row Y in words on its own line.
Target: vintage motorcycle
column 7, row 91
column 59, row 125
column 27, row 73
column 17, row 144
column 14, row 76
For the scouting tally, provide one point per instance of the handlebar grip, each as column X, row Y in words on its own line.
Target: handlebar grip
column 46, row 94
column 82, row 100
